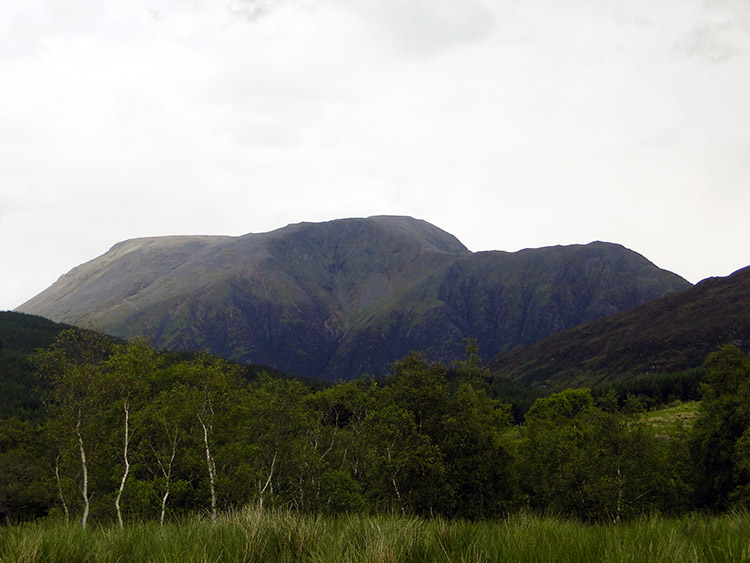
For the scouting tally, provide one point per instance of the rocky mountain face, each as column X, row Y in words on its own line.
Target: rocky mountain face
column 340, row 299
column 670, row 334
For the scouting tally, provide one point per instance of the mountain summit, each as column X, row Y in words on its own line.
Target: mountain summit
column 343, row 298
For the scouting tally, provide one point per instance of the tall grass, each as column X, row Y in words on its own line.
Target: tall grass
column 252, row 535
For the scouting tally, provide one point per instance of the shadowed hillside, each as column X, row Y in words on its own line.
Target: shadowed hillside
column 20, row 336
column 670, row 334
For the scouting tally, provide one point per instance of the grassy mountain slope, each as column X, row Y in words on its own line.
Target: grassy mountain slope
column 673, row 333
column 339, row 299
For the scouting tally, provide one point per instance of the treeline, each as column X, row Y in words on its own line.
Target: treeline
column 133, row 434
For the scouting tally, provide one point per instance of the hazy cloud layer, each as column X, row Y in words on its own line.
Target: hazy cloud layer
column 509, row 124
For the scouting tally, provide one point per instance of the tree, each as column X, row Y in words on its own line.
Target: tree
column 719, row 439
column 128, row 372
column 72, row 366
column 26, row 492
column 596, row 464
column 420, row 388
column 206, row 390
column 165, row 427
column 553, row 463
column 333, row 438
column 280, row 434
column 405, row 470
column 470, row 369
column 478, row 462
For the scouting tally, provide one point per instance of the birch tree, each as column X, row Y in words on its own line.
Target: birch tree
column 129, row 371
column 335, row 422
column 164, row 425
column 276, row 429
column 405, row 470
column 208, row 385
column 72, row 367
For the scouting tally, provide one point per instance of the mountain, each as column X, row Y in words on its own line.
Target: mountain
column 343, row 298
column 670, row 334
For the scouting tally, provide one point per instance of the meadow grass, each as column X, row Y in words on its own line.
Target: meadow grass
column 666, row 418
column 277, row 536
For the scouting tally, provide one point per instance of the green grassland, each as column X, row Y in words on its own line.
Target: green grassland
column 253, row 535
column 679, row 416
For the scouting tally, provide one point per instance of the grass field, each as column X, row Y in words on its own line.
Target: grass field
column 282, row 536
column 668, row 419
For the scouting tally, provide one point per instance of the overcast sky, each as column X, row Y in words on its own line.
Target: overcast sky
column 508, row 123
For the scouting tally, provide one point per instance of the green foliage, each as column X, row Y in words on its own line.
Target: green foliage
column 135, row 435
column 478, row 462
column 583, row 460
column 653, row 390
column 405, row 470
column 341, row 493
column 719, row 437
column 25, row 489
column 521, row 396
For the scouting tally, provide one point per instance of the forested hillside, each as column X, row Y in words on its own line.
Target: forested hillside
column 20, row 336
column 132, row 433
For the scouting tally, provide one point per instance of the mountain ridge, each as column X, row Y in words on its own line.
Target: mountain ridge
column 342, row 298
column 670, row 334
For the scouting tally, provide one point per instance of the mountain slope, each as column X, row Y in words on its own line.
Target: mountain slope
column 347, row 297
column 673, row 333
column 504, row 300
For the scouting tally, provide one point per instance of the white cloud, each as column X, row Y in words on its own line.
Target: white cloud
column 426, row 27
column 510, row 124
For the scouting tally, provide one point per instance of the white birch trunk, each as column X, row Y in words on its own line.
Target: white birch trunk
column 60, row 490
column 167, row 472
column 164, row 505
column 84, row 474
column 211, row 468
column 268, row 481
column 126, row 408
column 393, row 474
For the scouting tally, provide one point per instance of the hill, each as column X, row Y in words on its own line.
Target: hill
column 20, row 336
column 670, row 334
column 339, row 299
